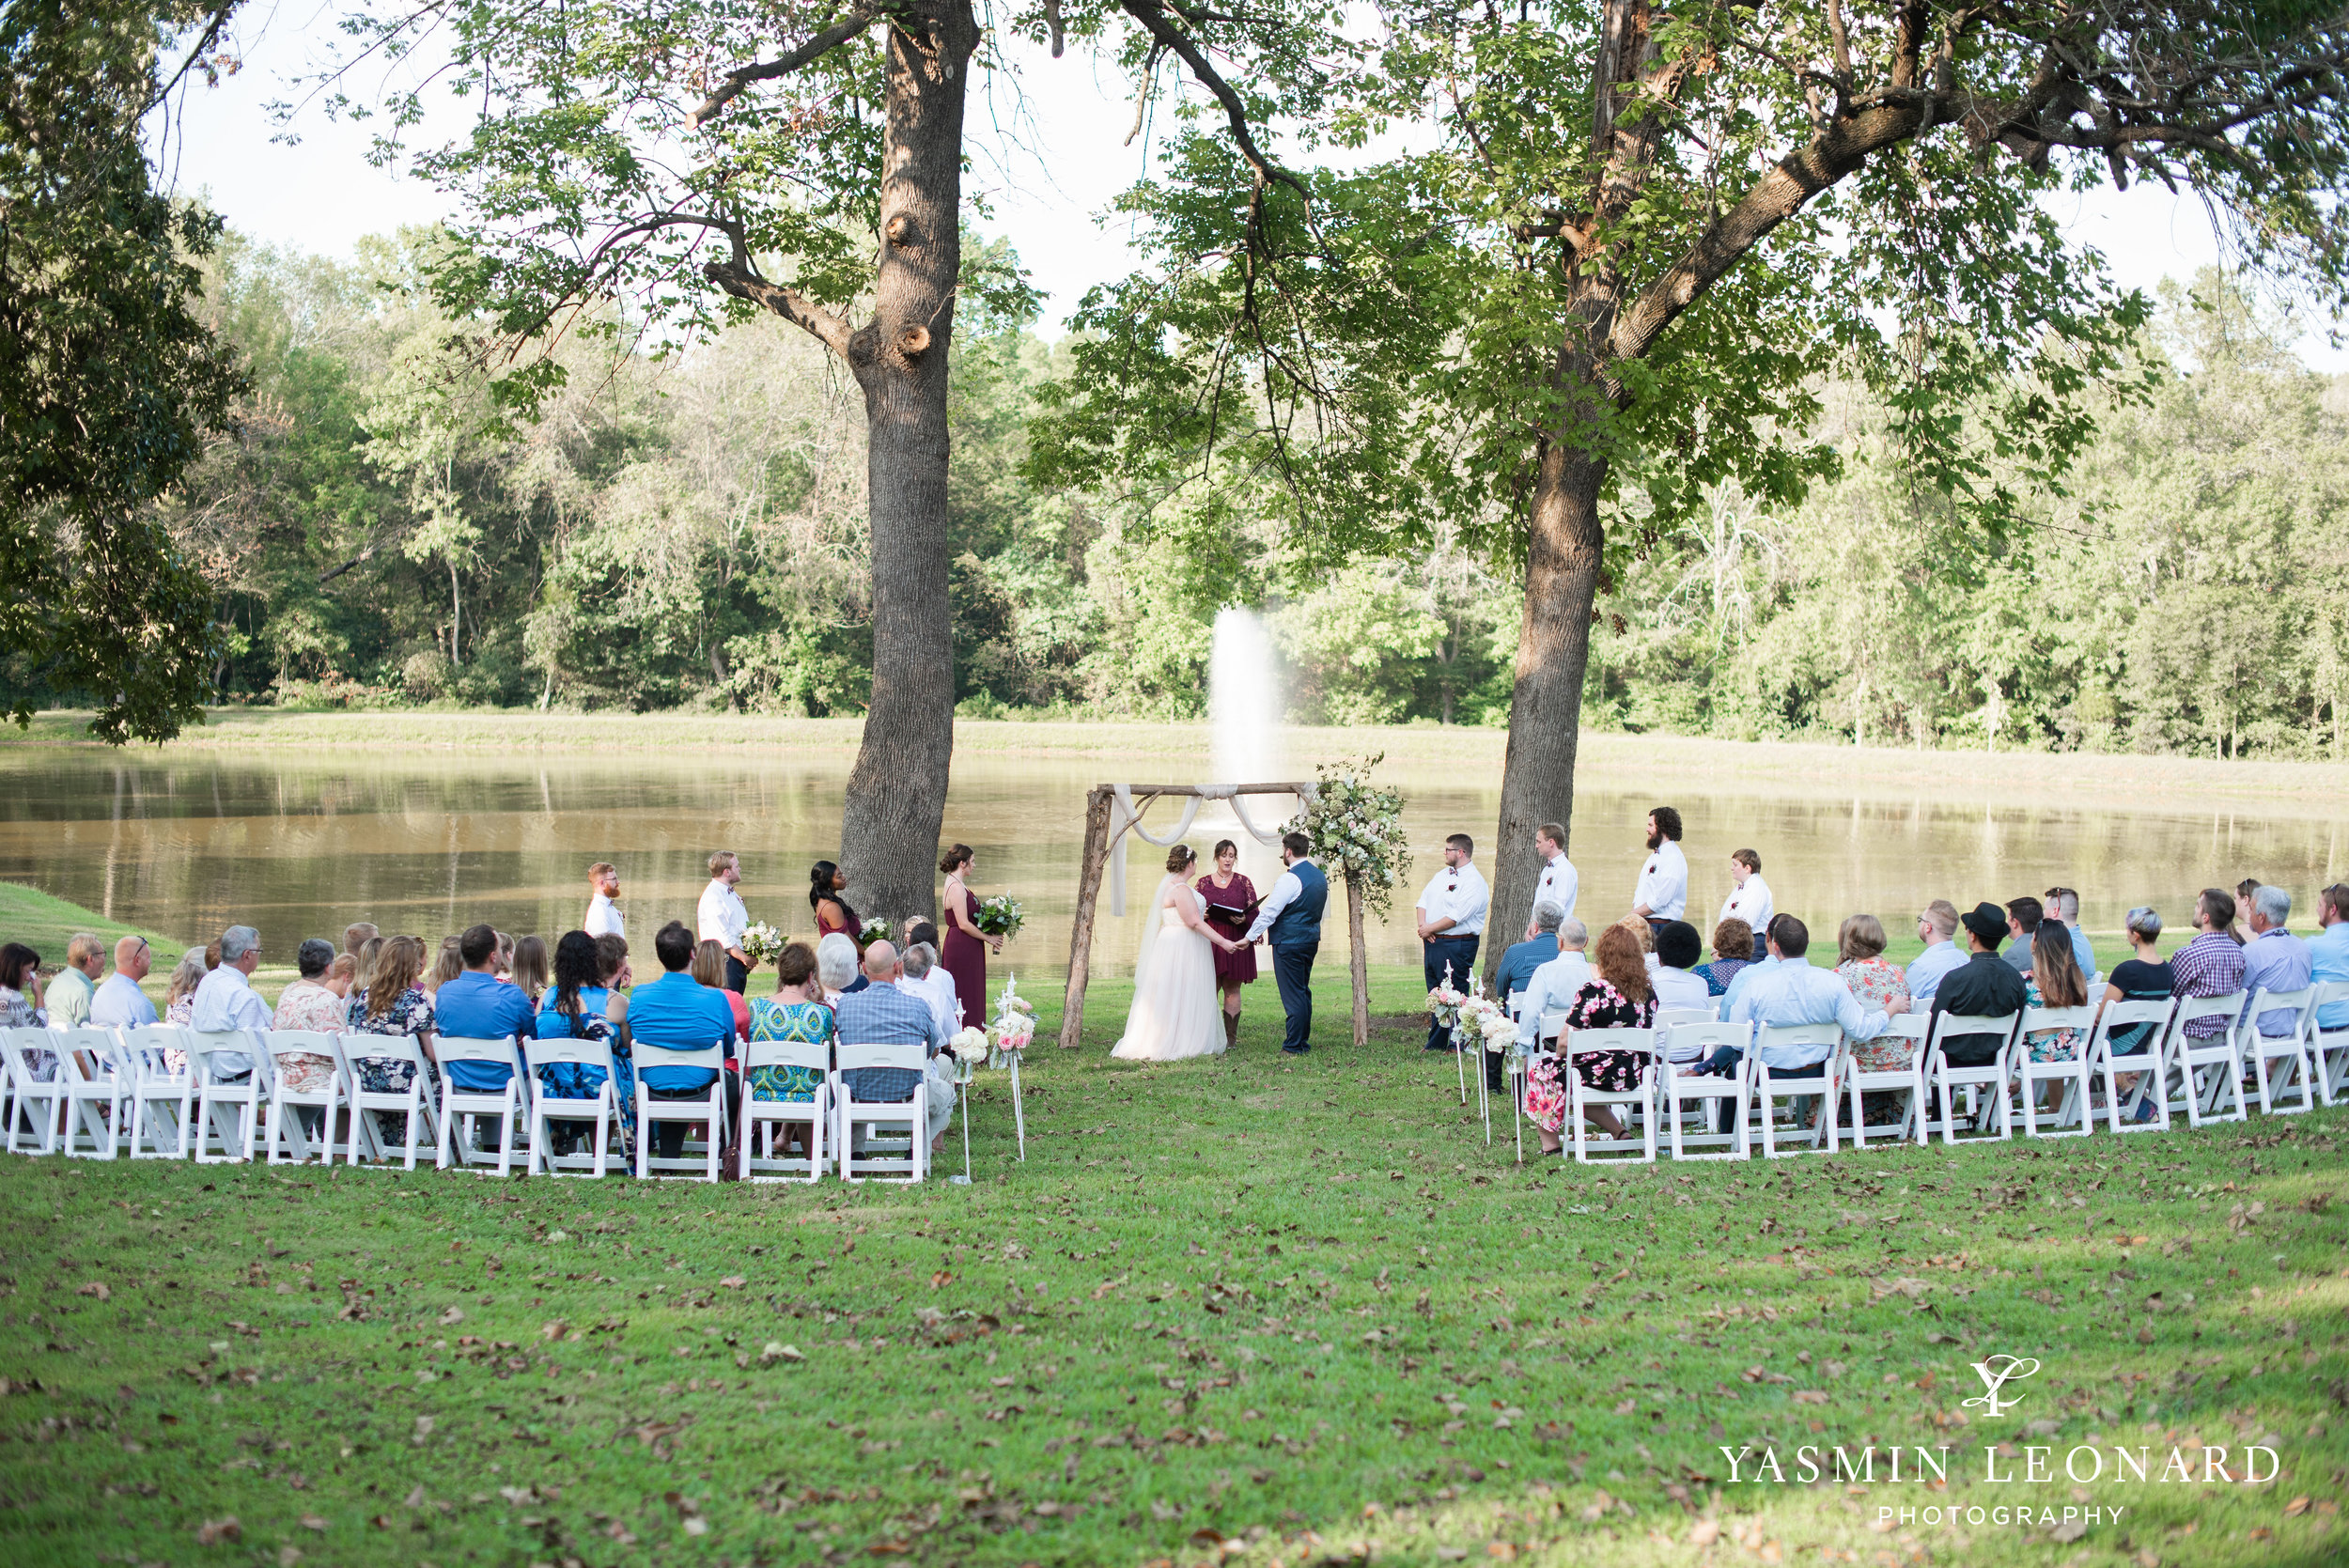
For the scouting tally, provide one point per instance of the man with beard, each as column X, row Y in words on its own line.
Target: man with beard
column 1663, row 889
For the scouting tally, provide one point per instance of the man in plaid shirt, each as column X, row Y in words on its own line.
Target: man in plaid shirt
column 888, row 1013
column 2211, row 965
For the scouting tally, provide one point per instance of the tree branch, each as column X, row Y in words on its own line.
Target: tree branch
column 1152, row 15
column 732, row 83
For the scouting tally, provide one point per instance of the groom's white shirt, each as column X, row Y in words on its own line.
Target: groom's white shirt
column 1286, row 890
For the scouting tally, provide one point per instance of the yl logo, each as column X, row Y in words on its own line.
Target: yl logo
column 1995, row 1375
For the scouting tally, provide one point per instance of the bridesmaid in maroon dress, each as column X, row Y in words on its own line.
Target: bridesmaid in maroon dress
column 1227, row 895
column 966, row 948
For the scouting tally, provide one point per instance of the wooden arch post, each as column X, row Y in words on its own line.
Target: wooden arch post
column 1100, row 838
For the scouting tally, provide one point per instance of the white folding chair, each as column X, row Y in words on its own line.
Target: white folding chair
column 1823, row 1040
column 158, row 1090
column 2152, row 1018
column 35, row 1080
column 2328, row 1048
column 1859, row 1083
column 509, row 1102
column 2070, row 1072
column 227, row 1072
column 883, row 1156
column 1942, row 1076
column 602, row 1113
column 2292, row 1046
column 283, row 1136
column 1672, row 1017
column 2192, row 1057
column 711, row 1108
column 767, row 1117
column 90, row 1067
column 1684, row 1047
column 1578, row 1043
column 414, row 1103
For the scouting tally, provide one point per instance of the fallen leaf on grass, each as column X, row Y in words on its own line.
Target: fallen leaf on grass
column 1705, row 1533
column 312, row 1521
column 96, row 1288
column 777, row 1351
column 211, row 1532
column 1810, row 1396
column 455, row 1314
column 732, row 1282
column 889, row 1548
column 2071, row 1529
column 2296, row 1507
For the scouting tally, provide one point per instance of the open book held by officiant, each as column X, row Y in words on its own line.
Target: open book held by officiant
column 1234, row 923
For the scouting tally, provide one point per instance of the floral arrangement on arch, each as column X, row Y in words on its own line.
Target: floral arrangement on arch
column 1355, row 828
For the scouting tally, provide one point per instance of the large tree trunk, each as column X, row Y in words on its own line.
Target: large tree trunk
column 1563, row 547
column 897, row 792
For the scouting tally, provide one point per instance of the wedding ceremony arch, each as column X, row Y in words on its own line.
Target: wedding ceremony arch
column 1114, row 814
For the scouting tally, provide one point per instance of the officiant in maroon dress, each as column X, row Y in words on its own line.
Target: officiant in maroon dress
column 1231, row 900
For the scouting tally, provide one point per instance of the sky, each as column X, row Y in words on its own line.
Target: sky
column 319, row 194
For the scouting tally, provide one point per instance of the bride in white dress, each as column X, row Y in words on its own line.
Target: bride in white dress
column 1176, row 1012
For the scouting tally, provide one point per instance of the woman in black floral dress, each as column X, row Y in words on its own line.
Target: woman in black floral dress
column 1617, row 995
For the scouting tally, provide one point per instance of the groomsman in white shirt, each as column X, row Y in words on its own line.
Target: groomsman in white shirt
column 603, row 916
column 1750, row 900
column 1663, row 889
column 721, row 918
column 1559, row 881
column 1451, row 916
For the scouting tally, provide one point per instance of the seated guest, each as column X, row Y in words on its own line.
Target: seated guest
column 939, row 980
column 309, row 1005
column 678, row 1013
column 2144, row 976
column 2056, row 981
column 2023, row 916
column 1746, row 976
column 2274, row 960
column 69, row 994
column 451, row 963
column 1937, row 927
column 2243, row 892
column 611, row 959
column 504, row 970
column 2329, row 952
column 227, row 1000
column 1734, row 943
column 530, row 968
column 885, row 1014
column 119, row 1003
column 710, row 968
column 1791, row 990
column 578, row 1006
column 1515, row 970
column 1986, row 987
column 20, row 1004
column 796, row 1014
column 1876, row 982
column 357, row 935
column 476, row 1005
column 394, row 1003
column 922, row 967
column 837, row 967
column 369, row 952
column 2212, row 964
column 1671, row 969
column 179, row 990
column 1615, row 996
column 1556, row 984
column 2064, row 904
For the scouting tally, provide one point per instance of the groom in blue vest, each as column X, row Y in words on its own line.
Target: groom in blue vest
column 1291, row 919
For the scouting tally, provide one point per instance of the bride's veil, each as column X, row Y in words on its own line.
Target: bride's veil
column 1152, row 924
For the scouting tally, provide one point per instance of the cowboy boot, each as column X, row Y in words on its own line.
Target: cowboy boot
column 1231, row 1031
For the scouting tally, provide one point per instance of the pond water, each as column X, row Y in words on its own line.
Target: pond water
column 300, row 843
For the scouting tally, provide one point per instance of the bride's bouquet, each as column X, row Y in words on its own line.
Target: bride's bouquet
column 1000, row 916
column 762, row 944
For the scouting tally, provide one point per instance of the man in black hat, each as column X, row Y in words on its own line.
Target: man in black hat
column 1986, row 986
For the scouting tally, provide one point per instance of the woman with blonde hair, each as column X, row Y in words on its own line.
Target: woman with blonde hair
column 451, row 965
column 530, row 968
column 1618, row 995
column 1877, row 983
column 709, row 968
column 179, row 990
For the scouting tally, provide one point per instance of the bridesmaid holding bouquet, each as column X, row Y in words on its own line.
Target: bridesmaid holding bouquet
column 1231, row 900
column 966, row 948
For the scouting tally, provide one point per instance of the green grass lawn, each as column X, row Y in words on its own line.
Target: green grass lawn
column 1268, row 1309
column 45, row 924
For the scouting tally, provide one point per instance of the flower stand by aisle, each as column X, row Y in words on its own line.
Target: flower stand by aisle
column 1015, row 1030
column 970, row 1049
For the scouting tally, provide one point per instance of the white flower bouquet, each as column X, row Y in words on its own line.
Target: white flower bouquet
column 1015, row 1025
column 762, row 944
column 1500, row 1032
column 879, row 928
column 1000, row 916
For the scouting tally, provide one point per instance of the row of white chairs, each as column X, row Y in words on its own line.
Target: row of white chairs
column 100, row 1092
column 2176, row 1070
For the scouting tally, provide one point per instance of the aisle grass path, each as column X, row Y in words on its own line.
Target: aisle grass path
column 1255, row 1310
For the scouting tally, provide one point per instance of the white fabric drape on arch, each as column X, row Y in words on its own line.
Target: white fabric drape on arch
column 1126, row 818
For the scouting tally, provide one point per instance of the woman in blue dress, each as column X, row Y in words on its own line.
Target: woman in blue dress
column 579, row 1007
column 795, row 1013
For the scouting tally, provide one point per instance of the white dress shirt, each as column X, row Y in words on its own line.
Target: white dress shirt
column 1457, row 893
column 1678, row 989
column 1663, row 882
column 1796, row 991
column 1286, row 890
column 1559, row 884
column 938, row 988
column 1749, row 902
column 719, row 917
column 1553, row 991
column 227, row 1000
column 605, row 919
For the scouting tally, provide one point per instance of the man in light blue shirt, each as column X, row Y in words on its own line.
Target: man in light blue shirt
column 119, row 1003
column 1743, row 980
column 1938, row 930
column 2274, row 960
column 2064, row 904
column 1552, row 987
column 1791, row 991
column 2329, row 952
